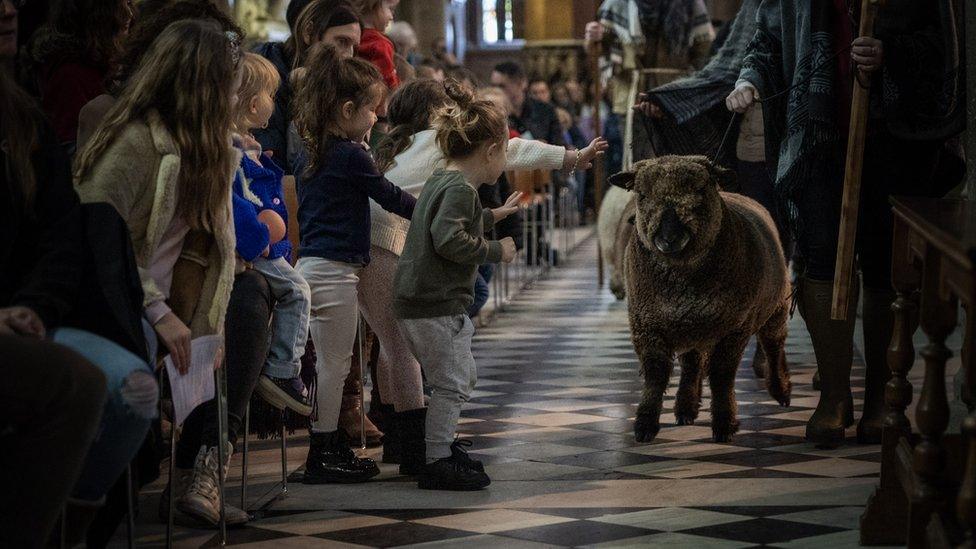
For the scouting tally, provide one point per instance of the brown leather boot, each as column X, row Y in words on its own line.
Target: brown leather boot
column 833, row 345
column 877, row 324
column 350, row 418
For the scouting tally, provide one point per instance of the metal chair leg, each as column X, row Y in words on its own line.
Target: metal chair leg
column 247, row 430
column 284, row 456
column 172, row 477
column 220, row 387
column 130, row 523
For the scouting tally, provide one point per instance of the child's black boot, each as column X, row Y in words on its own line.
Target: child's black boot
column 331, row 460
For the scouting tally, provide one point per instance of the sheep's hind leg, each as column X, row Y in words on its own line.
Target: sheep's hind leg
column 772, row 339
column 688, row 400
column 656, row 368
column 722, row 366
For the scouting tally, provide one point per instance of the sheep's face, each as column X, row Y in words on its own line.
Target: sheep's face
column 679, row 210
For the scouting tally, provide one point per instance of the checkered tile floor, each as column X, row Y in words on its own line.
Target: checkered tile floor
column 552, row 419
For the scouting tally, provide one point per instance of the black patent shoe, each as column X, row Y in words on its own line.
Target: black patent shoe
column 330, row 460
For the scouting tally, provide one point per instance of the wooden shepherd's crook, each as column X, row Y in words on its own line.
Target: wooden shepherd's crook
column 843, row 270
column 598, row 165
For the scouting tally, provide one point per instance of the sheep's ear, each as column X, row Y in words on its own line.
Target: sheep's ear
column 727, row 179
column 723, row 177
column 624, row 180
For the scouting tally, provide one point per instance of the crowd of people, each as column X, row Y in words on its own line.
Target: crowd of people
column 147, row 160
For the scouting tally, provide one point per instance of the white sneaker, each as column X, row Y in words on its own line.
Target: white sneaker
column 201, row 499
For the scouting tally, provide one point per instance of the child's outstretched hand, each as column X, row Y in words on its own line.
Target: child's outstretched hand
column 593, row 150
column 507, row 209
column 508, row 249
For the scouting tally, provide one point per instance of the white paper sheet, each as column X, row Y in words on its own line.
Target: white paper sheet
column 196, row 386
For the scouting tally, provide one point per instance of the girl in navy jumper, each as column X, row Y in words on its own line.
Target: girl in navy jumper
column 336, row 103
column 258, row 184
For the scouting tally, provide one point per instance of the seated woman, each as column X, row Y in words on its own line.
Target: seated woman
column 43, row 264
column 249, row 308
column 162, row 158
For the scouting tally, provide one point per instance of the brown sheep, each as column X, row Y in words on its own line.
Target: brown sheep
column 705, row 272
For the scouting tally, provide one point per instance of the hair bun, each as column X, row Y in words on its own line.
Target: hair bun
column 323, row 56
column 458, row 93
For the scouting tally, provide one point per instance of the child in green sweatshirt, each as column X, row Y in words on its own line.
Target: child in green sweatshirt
column 434, row 283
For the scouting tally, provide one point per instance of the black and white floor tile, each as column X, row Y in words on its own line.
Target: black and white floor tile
column 552, row 420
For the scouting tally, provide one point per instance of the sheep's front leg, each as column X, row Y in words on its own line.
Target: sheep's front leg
column 722, row 365
column 656, row 367
column 688, row 400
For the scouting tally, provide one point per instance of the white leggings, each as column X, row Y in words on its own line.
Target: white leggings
column 332, row 324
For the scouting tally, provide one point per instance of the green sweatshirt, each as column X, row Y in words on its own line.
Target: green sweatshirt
column 445, row 245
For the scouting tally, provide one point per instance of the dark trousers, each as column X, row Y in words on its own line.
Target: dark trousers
column 892, row 166
column 246, row 349
column 51, row 402
column 754, row 182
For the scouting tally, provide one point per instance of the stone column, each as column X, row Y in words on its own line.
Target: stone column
column 428, row 18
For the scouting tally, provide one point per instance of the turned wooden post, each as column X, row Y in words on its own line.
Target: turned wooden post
column 966, row 500
column 901, row 350
column 938, row 319
column 888, row 507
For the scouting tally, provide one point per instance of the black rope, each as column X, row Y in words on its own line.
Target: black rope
column 725, row 137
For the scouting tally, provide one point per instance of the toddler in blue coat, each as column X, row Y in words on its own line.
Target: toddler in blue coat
column 260, row 221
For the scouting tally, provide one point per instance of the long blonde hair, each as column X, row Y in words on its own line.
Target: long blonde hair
column 258, row 76
column 184, row 78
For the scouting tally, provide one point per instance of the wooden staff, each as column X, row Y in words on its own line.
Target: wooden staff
column 598, row 165
column 843, row 270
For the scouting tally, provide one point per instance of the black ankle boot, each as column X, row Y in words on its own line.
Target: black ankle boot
column 331, row 461
column 413, row 450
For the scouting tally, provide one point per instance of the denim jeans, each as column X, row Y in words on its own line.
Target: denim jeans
column 482, row 288
column 290, row 321
column 132, row 401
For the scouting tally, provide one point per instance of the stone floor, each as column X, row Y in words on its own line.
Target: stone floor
column 551, row 419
